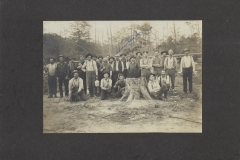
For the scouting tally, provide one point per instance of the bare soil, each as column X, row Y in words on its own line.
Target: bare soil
column 179, row 113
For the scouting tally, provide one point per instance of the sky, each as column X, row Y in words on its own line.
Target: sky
column 159, row 27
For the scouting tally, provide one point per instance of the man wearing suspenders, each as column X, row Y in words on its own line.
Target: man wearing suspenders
column 187, row 67
column 90, row 67
column 170, row 67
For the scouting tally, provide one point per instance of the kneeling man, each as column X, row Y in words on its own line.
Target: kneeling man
column 76, row 90
column 155, row 89
column 106, row 85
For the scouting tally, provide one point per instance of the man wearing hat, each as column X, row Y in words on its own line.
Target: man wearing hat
column 106, row 85
column 133, row 68
column 90, row 67
column 157, row 64
column 170, row 64
column 124, row 60
column 187, row 67
column 106, row 67
column 62, row 72
column 52, row 79
column 155, row 89
column 145, row 65
column 76, row 90
column 118, row 67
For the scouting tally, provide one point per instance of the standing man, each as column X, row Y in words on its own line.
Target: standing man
column 76, row 90
column 106, row 67
column 124, row 60
column 145, row 65
column 170, row 67
column 187, row 67
column 133, row 68
column 62, row 74
column 52, row 79
column 90, row 67
column 157, row 64
column 118, row 67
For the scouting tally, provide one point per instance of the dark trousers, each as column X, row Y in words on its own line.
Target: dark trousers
column 105, row 94
column 90, row 81
column 115, row 77
column 162, row 90
column 61, row 81
column 52, row 85
column 187, row 76
column 125, row 73
column 78, row 96
column 171, row 74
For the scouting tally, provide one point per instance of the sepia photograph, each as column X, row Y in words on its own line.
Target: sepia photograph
column 122, row 76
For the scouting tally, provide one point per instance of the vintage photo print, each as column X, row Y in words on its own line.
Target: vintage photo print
column 122, row 76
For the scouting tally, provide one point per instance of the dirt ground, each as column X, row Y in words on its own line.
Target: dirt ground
column 179, row 113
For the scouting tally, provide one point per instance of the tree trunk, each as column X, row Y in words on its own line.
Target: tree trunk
column 135, row 88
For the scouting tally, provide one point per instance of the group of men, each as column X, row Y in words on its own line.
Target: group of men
column 82, row 79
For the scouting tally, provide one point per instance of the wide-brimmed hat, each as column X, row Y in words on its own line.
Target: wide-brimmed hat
column 111, row 58
column 75, row 71
column 139, row 52
column 117, row 55
column 185, row 50
column 132, row 57
column 164, row 52
column 60, row 56
column 52, row 58
column 106, row 73
column 151, row 75
column 89, row 54
column 100, row 57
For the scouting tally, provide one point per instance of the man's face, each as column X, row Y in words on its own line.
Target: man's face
column 139, row 54
column 164, row 54
column 61, row 59
column 187, row 53
column 81, row 58
column 170, row 53
column 111, row 60
column 89, row 58
column 117, row 58
column 100, row 59
column 94, row 58
column 151, row 77
column 75, row 75
column 123, row 56
column 51, row 61
column 145, row 55
column 163, row 75
column 105, row 75
column 121, row 77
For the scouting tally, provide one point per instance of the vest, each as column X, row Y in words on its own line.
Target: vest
column 174, row 62
column 119, row 66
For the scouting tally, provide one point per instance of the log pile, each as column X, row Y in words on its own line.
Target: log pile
column 135, row 88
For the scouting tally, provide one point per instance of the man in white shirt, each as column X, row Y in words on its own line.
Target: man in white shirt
column 155, row 89
column 106, row 85
column 90, row 67
column 187, row 67
column 52, row 78
column 118, row 67
column 170, row 64
column 76, row 90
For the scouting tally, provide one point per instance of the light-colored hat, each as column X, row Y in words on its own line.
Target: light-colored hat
column 117, row 55
column 170, row 51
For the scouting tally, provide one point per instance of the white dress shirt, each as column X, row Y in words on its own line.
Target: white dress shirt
column 75, row 82
column 186, row 62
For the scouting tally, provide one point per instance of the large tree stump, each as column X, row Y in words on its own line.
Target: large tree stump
column 135, row 88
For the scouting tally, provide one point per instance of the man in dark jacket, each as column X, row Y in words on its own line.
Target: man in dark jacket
column 62, row 72
column 123, row 59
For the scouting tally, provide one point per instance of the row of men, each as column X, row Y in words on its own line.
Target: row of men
column 92, row 69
